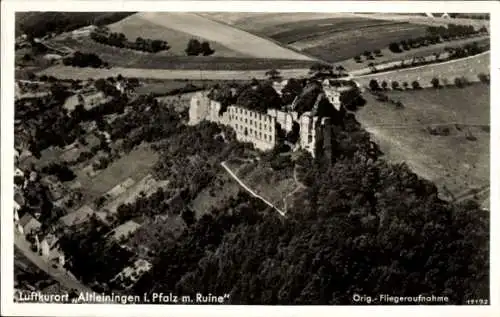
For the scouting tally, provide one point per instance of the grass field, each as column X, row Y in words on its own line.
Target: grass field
column 57, row 154
column 137, row 26
column 243, row 70
column 467, row 67
column 452, row 162
column 198, row 26
column 216, row 195
column 117, row 57
column 388, row 56
column 272, row 185
column 135, row 165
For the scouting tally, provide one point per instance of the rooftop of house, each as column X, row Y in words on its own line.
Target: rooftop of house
column 28, row 222
column 125, row 229
column 51, row 239
column 77, row 217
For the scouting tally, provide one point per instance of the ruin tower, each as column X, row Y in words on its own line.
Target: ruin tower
column 308, row 132
column 199, row 108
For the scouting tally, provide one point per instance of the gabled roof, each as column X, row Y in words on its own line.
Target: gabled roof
column 77, row 217
column 28, row 222
column 125, row 229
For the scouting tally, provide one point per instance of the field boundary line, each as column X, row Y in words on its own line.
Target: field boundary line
column 250, row 190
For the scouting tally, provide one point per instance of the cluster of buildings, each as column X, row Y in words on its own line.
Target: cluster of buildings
column 261, row 129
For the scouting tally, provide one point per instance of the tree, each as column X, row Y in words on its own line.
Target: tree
column 484, row 78
column 372, row 67
column 321, row 68
column 395, row 85
column 405, row 85
column 206, row 49
column 461, row 82
column 273, row 74
column 384, row 85
column 394, row 47
column 415, row 85
column 374, row 86
column 340, row 70
column 435, row 82
column 193, row 48
column 377, row 52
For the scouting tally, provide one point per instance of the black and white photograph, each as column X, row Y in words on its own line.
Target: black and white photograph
column 161, row 158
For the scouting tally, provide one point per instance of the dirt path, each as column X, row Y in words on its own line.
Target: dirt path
column 251, row 191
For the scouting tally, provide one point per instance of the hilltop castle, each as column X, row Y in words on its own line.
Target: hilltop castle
column 261, row 129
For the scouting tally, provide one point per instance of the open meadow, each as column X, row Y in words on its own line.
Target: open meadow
column 270, row 184
column 204, row 72
column 458, row 159
column 468, row 67
column 422, row 52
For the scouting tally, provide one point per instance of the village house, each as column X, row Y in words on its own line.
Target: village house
column 131, row 274
column 48, row 247
column 80, row 216
column 124, row 230
column 28, row 224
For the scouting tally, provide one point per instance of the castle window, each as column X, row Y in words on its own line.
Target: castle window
column 265, row 136
column 246, row 120
column 260, row 116
column 250, row 122
column 309, row 139
column 260, row 125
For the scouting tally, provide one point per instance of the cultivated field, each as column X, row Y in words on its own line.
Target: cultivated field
column 455, row 163
column 423, row 20
column 138, row 26
column 205, row 72
column 198, row 26
column 427, row 51
column 347, row 43
column 135, row 165
column 148, row 185
column 468, row 67
column 255, row 22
